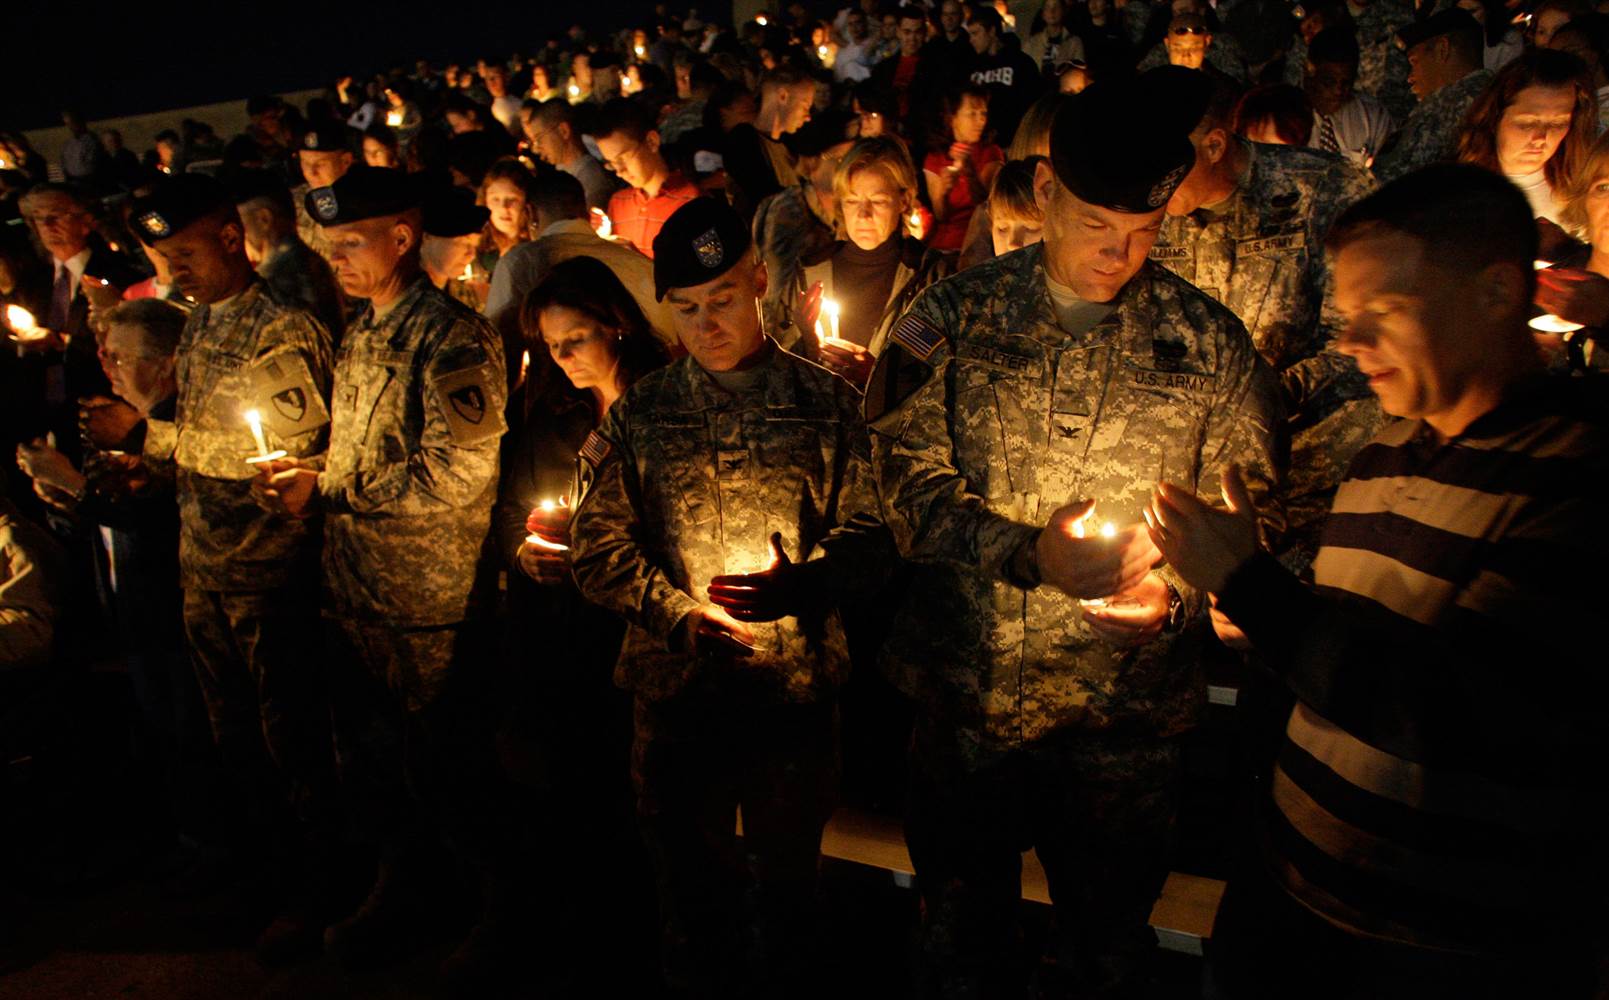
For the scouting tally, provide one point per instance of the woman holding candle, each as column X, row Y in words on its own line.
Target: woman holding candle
column 958, row 175
column 1534, row 124
column 567, row 728
column 866, row 281
column 1580, row 293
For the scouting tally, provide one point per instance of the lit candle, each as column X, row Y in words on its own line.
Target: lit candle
column 830, row 307
column 605, row 227
column 915, row 221
column 821, row 52
column 1541, row 264
column 549, row 507
column 575, row 91
column 469, row 272
column 641, row 51
column 1549, row 323
column 255, row 421
column 1107, row 530
column 760, row 19
column 393, row 118
column 22, row 323
column 525, row 364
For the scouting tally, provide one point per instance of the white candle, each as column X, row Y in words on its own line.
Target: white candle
column 830, row 308
column 22, row 323
column 575, row 91
column 1549, row 323
column 469, row 272
column 255, row 419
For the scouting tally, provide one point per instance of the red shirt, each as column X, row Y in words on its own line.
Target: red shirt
column 904, row 75
column 638, row 218
column 962, row 200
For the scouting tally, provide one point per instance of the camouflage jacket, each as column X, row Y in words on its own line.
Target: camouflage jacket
column 1430, row 134
column 253, row 352
column 1382, row 63
column 985, row 417
column 1262, row 253
column 686, row 481
column 296, row 271
column 411, row 474
column 788, row 227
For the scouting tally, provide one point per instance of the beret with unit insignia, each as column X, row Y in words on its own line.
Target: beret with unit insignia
column 327, row 137
column 699, row 243
column 177, row 203
column 363, row 192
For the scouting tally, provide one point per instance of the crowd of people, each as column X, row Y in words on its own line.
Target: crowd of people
column 529, row 459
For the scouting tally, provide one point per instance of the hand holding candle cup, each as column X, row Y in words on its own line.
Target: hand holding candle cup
column 107, row 422
column 764, row 595
column 28, row 335
column 1092, row 564
column 544, row 556
column 1570, row 298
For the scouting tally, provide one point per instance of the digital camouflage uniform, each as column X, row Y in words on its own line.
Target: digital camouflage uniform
column 249, row 581
column 788, row 227
column 407, row 490
column 1430, row 135
column 1223, row 55
column 683, row 482
column 298, row 274
column 1382, row 63
column 1261, row 253
column 985, row 418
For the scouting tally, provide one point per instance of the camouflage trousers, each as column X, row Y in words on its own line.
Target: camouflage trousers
column 696, row 759
column 1099, row 813
column 255, row 659
column 413, row 726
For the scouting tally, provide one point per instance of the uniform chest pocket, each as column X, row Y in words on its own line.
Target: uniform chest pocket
column 679, row 476
column 792, row 462
column 998, row 426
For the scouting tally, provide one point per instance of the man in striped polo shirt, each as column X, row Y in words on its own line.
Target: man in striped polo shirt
column 1428, row 827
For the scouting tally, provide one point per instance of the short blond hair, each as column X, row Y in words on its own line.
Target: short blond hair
column 884, row 152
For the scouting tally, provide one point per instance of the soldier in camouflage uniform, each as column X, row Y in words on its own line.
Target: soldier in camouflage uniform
column 1446, row 52
column 249, row 577
column 324, row 156
column 1382, row 64
column 292, row 268
column 406, row 491
column 1009, row 397
column 1247, row 227
column 690, row 475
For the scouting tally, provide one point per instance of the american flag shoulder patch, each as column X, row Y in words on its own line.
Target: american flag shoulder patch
column 595, row 449
column 917, row 336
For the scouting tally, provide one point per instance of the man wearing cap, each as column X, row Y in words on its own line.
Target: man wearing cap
column 1247, row 227
column 736, row 458
column 1191, row 41
column 249, row 576
column 406, row 491
column 630, row 147
column 1446, row 55
column 292, row 268
column 324, row 155
column 1019, row 416
column 452, row 231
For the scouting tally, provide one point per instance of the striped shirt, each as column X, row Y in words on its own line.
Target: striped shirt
column 1446, row 746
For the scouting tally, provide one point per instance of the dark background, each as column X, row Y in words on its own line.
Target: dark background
column 152, row 55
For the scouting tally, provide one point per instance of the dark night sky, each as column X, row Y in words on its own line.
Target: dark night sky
column 117, row 59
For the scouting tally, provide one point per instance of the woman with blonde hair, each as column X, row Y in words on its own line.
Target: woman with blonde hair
column 1575, row 284
column 1533, row 124
column 862, row 282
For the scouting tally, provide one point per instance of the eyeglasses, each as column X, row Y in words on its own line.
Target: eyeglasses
column 619, row 163
column 114, row 360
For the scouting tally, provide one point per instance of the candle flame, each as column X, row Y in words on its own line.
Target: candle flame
column 393, row 118
column 1108, row 530
column 20, row 320
column 641, row 52
column 821, row 50
column 760, row 19
column 1549, row 323
column 469, row 272
column 1541, row 264
column 575, row 90
column 606, row 227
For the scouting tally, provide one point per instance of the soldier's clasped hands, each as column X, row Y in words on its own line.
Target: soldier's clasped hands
column 1093, row 567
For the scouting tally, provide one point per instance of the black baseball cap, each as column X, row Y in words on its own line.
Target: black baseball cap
column 363, row 192
column 1448, row 21
column 701, row 241
column 176, row 203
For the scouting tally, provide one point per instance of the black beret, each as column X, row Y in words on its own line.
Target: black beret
column 1448, row 21
column 699, row 242
column 176, row 203
column 450, row 211
column 363, row 192
column 326, row 137
column 824, row 130
column 247, row 184
column 1121, row 146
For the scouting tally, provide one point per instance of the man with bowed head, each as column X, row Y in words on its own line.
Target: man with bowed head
column 736, row 457
column 1431, row 828
column 1019, row 415
column 406, row 490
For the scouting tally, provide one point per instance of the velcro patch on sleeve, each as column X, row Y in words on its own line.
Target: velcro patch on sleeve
column 467, row 405
column 595, row 449
column 283, row 391
column 919, row 337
